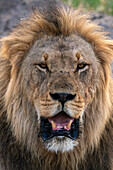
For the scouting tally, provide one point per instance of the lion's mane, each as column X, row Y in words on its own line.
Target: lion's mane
column 18, row 147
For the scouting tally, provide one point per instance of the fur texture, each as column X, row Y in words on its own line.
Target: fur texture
column 54, row 30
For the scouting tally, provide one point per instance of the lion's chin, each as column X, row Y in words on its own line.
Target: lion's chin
column 60, row 144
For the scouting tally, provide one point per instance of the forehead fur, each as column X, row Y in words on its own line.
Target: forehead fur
column 61, row 47
column 55, row 19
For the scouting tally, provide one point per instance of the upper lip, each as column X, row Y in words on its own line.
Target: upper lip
column 62, row 109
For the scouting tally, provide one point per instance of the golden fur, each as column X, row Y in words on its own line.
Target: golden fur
column 17, row 103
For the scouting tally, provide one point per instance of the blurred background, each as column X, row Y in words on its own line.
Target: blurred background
column 105, row 6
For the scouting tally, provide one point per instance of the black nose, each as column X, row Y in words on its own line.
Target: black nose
column 62, row 97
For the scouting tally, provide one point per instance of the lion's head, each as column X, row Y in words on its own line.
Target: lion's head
column 57, row 93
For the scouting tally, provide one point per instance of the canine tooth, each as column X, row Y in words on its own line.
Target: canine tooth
column 53, row 124
column 69, row 124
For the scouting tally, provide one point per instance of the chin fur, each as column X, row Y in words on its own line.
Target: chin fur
column 61, row 144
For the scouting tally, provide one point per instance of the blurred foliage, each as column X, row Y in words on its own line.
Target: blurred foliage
column 105, row 6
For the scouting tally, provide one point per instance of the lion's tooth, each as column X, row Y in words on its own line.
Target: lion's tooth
column 59, row 127
column 69, row 124
column 53, row 125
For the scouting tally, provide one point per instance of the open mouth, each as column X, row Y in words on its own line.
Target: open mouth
column 59, row 125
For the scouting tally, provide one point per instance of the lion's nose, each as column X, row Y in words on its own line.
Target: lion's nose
column 62, row 97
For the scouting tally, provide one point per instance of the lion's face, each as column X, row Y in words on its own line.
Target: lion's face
column 60, row 75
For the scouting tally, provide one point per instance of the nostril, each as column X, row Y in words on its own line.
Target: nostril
column 55, row 96
column 70, row 97
column 62, row 97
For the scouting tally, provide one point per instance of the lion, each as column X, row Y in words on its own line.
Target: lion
column 56, row 92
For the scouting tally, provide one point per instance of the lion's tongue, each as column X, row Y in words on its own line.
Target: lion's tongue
column 61, row 120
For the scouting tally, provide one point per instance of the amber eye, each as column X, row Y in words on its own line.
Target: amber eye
column 81, row 66
column 43, row 66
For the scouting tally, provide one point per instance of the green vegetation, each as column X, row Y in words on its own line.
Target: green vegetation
column 105, row 6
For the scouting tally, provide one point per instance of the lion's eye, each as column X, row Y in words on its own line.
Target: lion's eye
column 43, row 66
column 81, row 66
